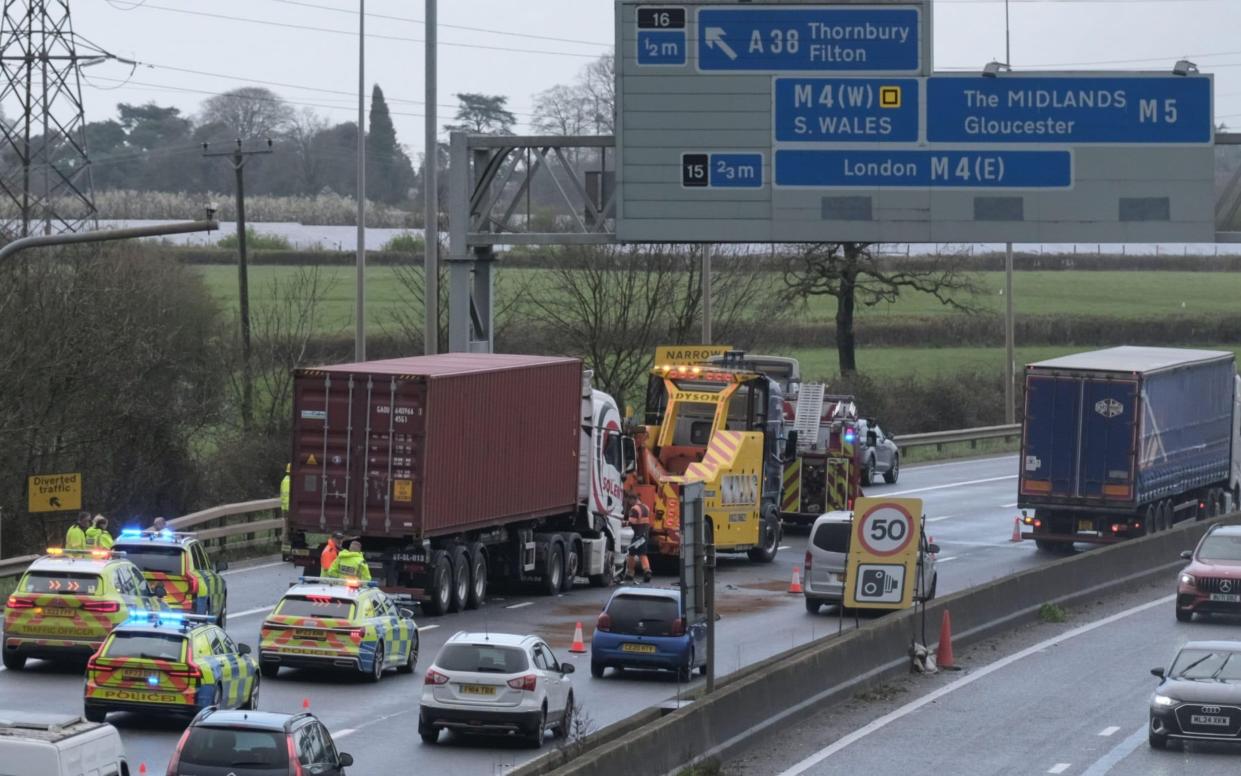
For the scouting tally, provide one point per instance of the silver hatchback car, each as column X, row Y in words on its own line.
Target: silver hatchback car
column 827, row 553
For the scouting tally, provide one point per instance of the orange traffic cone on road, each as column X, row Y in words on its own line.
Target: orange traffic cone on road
column 943, row 654
column 305, row 703
column 1016, row 530
column 142, row 769
column 579, row 645
column 795, row 585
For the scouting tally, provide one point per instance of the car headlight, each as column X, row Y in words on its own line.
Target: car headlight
column 1163, row 700
column 1188, row 579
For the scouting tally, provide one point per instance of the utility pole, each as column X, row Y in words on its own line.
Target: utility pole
column 359, row 331
column 1010, row 365
column 238, row 157
column 430, row 184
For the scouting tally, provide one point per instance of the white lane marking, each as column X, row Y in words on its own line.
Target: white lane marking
column 248, row 612
column 945, row 560
column 965, row 681
column 1118, row 753
column 1059, row 768
column 951, row 485
column 521, row 605
column 425, row 628
column 1110, row 730
column 1008, row 506
column 968, row 462
column 338, row 735
column 253, row 568
column 783, row 547
column 1001, row 545
column 937, row 519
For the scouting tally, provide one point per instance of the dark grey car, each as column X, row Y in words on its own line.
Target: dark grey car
column 257, row 743
column 880, row 453
column 1199, row 696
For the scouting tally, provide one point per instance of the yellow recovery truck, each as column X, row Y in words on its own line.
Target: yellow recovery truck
column 721, row 424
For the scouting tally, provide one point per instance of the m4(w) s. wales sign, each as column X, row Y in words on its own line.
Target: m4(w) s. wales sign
column 1069, row 109
column 848, row 110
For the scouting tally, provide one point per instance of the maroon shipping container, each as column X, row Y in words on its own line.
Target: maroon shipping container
column 432, row 445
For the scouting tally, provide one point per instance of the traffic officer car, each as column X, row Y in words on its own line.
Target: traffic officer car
column 68, row 601
column 326, row 622
column 1199, row 696
column 179, row 562
column 499, row 683
column 169, row 662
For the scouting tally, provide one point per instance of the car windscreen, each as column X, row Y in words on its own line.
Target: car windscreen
column 1209, row 664
column 253, row 750
column 482, row 658
column 643, row 614
column 60, row 583
column 317, row 606
column 1217, row 547
column 152, row 646
column 147, row 557
column 832, row 537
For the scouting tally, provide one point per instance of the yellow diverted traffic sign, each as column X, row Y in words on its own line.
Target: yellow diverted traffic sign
column 54, row 492
column 687, row 354
column 883, row 553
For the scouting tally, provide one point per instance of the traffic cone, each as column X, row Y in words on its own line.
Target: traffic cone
column 579, row 646
column 795, row 585
column 1016, row 530
column 142, row 768
column 305, row 703
column 943, row 654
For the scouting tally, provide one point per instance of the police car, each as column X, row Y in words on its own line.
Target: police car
column 179, row 562
column 338, row 623
column 161, row 662
column 68, row 601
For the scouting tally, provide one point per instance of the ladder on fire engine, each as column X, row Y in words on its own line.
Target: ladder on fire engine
column 809, row 415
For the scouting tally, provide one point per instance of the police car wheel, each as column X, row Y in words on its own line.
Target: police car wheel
column 377, row 669
column 94, row 714
column 252, row 702
column 222, row 620
column 411, row 659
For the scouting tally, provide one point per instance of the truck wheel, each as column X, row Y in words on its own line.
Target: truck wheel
column 891, row 475
column 572, row 564
column 1150, row 520
column 440, row 587
column 478, row 577
column 460, row 579
column 553, row 575
column 1045, row 545
column 768, row 538
column 1169, row 515
column 607, row 577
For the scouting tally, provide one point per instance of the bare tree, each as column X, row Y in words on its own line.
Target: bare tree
column 300, row 133
column 562, row 110
column 853, row 273
column 252, row 112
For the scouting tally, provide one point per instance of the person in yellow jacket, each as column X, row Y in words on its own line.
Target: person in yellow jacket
column 97, row 535
column 75, row 539
column 284, row 488
column 350, row 563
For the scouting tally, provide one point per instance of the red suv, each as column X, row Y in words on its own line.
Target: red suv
column 1211, row 583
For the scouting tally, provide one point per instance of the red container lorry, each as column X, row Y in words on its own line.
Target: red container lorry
column 459, row 470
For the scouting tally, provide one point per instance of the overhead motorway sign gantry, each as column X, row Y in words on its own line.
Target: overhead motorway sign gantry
column 734, row 127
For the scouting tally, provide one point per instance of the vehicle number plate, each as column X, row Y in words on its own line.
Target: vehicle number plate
column 307, row 634
column 58, row 611
column 131, row 673
column 478, row 689
column 1232, row 598
column 1085, row 525
column 645, row 649
column 1202, row 719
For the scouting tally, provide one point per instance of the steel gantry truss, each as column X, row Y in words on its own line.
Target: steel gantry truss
column 491, row 178
column 45, row 176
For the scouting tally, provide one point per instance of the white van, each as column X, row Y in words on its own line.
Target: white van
column 34, row 744
column 827, row 555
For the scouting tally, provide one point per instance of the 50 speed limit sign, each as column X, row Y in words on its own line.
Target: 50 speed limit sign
column 883, row 555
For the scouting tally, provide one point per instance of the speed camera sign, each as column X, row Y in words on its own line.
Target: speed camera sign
column 887, row 529
column 883, row 554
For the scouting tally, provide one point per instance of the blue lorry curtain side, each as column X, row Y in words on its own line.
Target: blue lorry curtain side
column 1186, row 429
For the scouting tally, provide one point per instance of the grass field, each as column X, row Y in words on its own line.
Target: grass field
column 1117, row 294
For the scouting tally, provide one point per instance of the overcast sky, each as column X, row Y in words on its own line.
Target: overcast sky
column 306, row 50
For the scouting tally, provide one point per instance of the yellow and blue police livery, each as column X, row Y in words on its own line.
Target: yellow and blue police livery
column 179, row 562
column 169, row 662
column 68, row 601
column 335, row 623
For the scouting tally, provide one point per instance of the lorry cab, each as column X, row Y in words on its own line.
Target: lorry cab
column 42, row 744
column 722, row 425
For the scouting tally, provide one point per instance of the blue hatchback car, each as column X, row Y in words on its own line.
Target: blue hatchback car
column 644, row 627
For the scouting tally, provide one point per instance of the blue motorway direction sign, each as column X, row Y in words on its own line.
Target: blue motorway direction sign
column 925, row 169
column 824, row 39
column 662, row 47
column 1069, row 109
column 846, row 110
